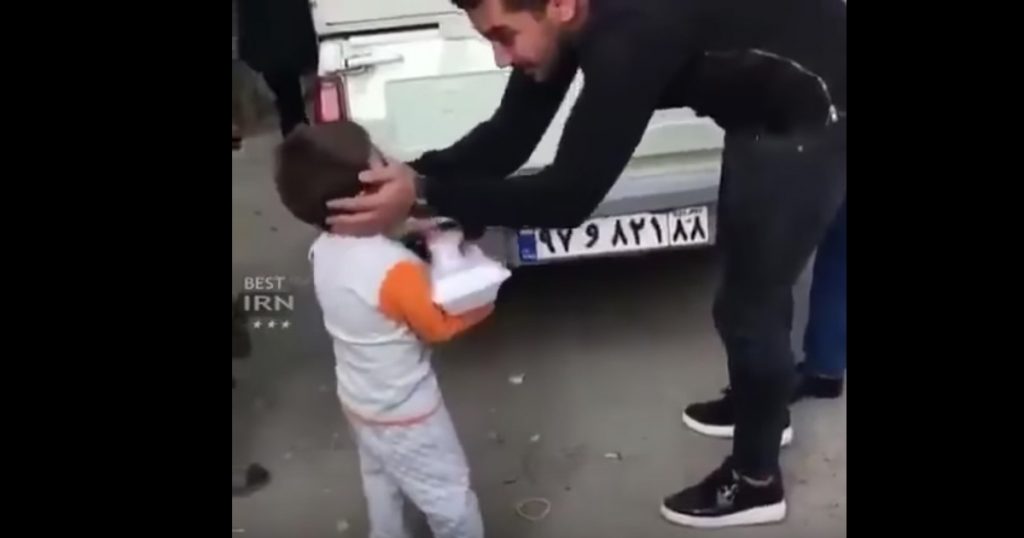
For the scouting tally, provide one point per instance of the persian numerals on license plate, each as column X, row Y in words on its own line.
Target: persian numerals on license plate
column 625, row 233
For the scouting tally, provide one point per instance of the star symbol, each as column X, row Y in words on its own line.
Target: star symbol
column 271, row 324
column 285, row 324
column 257, row 324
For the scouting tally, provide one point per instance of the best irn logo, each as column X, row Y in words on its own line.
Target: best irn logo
column 267, row 302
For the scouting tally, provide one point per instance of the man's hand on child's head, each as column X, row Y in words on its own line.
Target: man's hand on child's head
column 390, row 196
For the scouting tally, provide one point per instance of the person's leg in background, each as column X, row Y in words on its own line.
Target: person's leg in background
column 291, row 108
column 277, row 39
column 777, row 198
column 824, row 367
column 822, row 373
column 240, row 104
column 236, row 133
column 254, row 476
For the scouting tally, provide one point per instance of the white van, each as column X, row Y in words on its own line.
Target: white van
column 416, row 75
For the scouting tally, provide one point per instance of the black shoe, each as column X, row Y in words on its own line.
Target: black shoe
column 254, row 478
column 717, row 418
column 813, row 386
column 290, row 125
column 724, row 499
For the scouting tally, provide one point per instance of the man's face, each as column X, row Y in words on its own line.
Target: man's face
column 527, row 40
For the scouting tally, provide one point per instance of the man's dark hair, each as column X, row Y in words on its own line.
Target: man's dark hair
column 320, row 163
column 510, row 5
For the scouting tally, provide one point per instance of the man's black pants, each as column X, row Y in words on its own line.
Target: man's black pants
column 777, row 197
column 291, row 107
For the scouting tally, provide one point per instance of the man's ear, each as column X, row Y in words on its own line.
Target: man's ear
column 562, row 10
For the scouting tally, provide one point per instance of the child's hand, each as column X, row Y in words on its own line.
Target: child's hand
column 476, row 316
column 424, row 227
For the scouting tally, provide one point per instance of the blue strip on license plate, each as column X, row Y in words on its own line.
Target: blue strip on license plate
column 527, row 246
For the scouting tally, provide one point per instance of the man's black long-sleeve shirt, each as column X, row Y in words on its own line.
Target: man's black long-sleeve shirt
column 758, row 64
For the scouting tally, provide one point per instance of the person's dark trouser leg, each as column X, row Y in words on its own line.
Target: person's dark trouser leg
column 287, row 88
column 825, row 335
column 778, row 196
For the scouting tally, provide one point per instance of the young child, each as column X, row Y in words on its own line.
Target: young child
column 376, row 300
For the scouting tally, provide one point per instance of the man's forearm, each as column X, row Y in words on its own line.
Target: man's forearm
column 536, row 200
column 605, row 126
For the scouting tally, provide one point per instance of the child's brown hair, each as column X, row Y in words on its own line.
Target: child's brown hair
column 319, row 163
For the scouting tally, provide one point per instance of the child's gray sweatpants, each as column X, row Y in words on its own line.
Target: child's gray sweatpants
column 425, row 461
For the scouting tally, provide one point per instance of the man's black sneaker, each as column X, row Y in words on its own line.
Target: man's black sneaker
column 724, row 499
column 813, row 386
column 717, row 418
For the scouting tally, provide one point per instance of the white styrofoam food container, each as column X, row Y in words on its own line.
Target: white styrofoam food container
column 463, row 277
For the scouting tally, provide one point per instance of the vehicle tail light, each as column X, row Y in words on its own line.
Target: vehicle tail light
column 331, row 102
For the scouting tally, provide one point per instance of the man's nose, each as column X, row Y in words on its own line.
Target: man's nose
column 501, row 57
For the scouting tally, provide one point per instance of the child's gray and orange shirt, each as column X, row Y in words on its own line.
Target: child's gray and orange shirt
column 376, row 300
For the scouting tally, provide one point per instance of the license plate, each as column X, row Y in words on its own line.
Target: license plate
column 618, row 234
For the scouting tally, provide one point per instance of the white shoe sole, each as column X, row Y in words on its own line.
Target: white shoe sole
column 772, row 513
column 726, row 432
